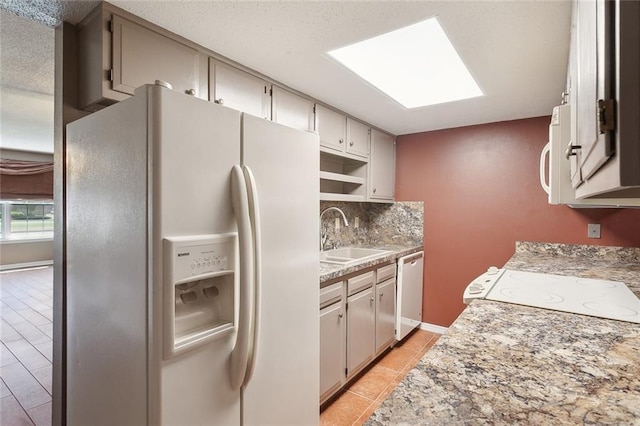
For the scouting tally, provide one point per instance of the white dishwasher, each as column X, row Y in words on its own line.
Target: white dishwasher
column 409, row 294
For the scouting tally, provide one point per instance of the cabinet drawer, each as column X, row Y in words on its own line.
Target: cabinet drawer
column 360, row 282
column 330, row 294
column 385, row 273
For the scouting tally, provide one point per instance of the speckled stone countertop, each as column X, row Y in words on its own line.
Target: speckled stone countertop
column 329, row 272
column 502, row 363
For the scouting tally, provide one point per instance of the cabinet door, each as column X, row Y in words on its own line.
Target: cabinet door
column 239, row 90
column 360, row 330
column 593, row 84
column 357, row 138
column 385, row 314
column 332, row 349
column 292, row 110
column 382, row 166
column 142, row 56
column 331, row 127
column 572, row 89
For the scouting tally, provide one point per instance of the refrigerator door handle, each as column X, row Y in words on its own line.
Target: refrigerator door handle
column 543, row 177
column 254, row 212
column 240, row 353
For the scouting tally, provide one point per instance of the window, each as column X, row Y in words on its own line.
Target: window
column 26, row 219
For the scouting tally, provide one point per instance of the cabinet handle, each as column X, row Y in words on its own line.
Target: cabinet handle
column 351, row 143
column 374, row 190
column 191, row 92
column 381, row 294
column 340, row 315
column 219, row 101
column 373, row 299
column 341, row 140
column 571, row 150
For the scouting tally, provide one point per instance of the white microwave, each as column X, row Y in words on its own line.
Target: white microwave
column 558, row 186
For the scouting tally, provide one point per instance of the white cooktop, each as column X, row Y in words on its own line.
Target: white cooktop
column 586, row 296
column 599, row 298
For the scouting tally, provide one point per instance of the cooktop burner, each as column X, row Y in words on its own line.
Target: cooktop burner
column 600, row 298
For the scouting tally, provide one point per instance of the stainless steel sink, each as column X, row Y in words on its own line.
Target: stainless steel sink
column 346, row 255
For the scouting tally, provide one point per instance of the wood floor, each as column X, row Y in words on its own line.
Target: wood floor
column 26, row 342
column 360, row 400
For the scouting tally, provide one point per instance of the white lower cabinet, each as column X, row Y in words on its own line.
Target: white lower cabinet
column 357, row 323
column 332, row 349
column 361, row 327
column 385, row 314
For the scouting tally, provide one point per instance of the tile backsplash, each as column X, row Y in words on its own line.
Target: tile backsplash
column 380, row 224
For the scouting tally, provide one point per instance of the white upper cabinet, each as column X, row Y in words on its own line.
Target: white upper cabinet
column 606, row 99
column 592, row 86
column 239, row 90
column 332, row 128
column 117, row 55
column 341, row 135
column 292, row 110
column 357, row 138
column 382, row 167
column 141, row 56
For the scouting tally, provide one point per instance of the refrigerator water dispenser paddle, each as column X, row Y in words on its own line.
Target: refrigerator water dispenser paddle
column 199, row 277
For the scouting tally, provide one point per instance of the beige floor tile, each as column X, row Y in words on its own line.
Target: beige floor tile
column 24, row 387
column 44, row 376
column 28, row 354
column 4, row 390
column 12, row 414
column 41, row 415
column 6, row 356
column 30, row 332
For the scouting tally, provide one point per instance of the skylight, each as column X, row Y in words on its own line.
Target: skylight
column 416, row 65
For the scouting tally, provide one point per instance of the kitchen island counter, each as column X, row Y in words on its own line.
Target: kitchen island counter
column 503, row 363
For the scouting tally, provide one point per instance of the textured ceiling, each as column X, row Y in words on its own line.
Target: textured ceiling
column 516, row 50
column 26, row 84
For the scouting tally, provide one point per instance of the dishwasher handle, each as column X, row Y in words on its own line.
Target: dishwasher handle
column 412, row 258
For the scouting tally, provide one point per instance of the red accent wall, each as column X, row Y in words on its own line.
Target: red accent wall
column 481, row 194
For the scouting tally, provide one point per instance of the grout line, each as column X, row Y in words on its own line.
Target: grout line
column 30, row 288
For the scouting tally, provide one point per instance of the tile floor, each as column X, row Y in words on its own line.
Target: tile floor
column 360, row 400
column 26, row 342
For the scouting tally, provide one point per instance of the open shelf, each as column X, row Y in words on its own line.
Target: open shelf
column 331, row 196
column 339, row 177
column 342, row 179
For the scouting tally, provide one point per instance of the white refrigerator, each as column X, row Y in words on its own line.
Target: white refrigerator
column 191, row 266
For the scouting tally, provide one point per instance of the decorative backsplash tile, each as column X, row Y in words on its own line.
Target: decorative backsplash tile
column 379, row 224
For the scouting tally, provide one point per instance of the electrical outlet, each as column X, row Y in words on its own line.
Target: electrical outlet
column 337, row 224
column 593, row 230
column 356, row 222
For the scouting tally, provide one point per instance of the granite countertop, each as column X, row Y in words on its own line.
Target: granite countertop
column 329, row 272
column 502, row 363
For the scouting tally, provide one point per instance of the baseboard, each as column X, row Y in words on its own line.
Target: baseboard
column 26, row 265
column 433, row 328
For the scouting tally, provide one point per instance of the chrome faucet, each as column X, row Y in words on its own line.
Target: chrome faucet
column 323, row 237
